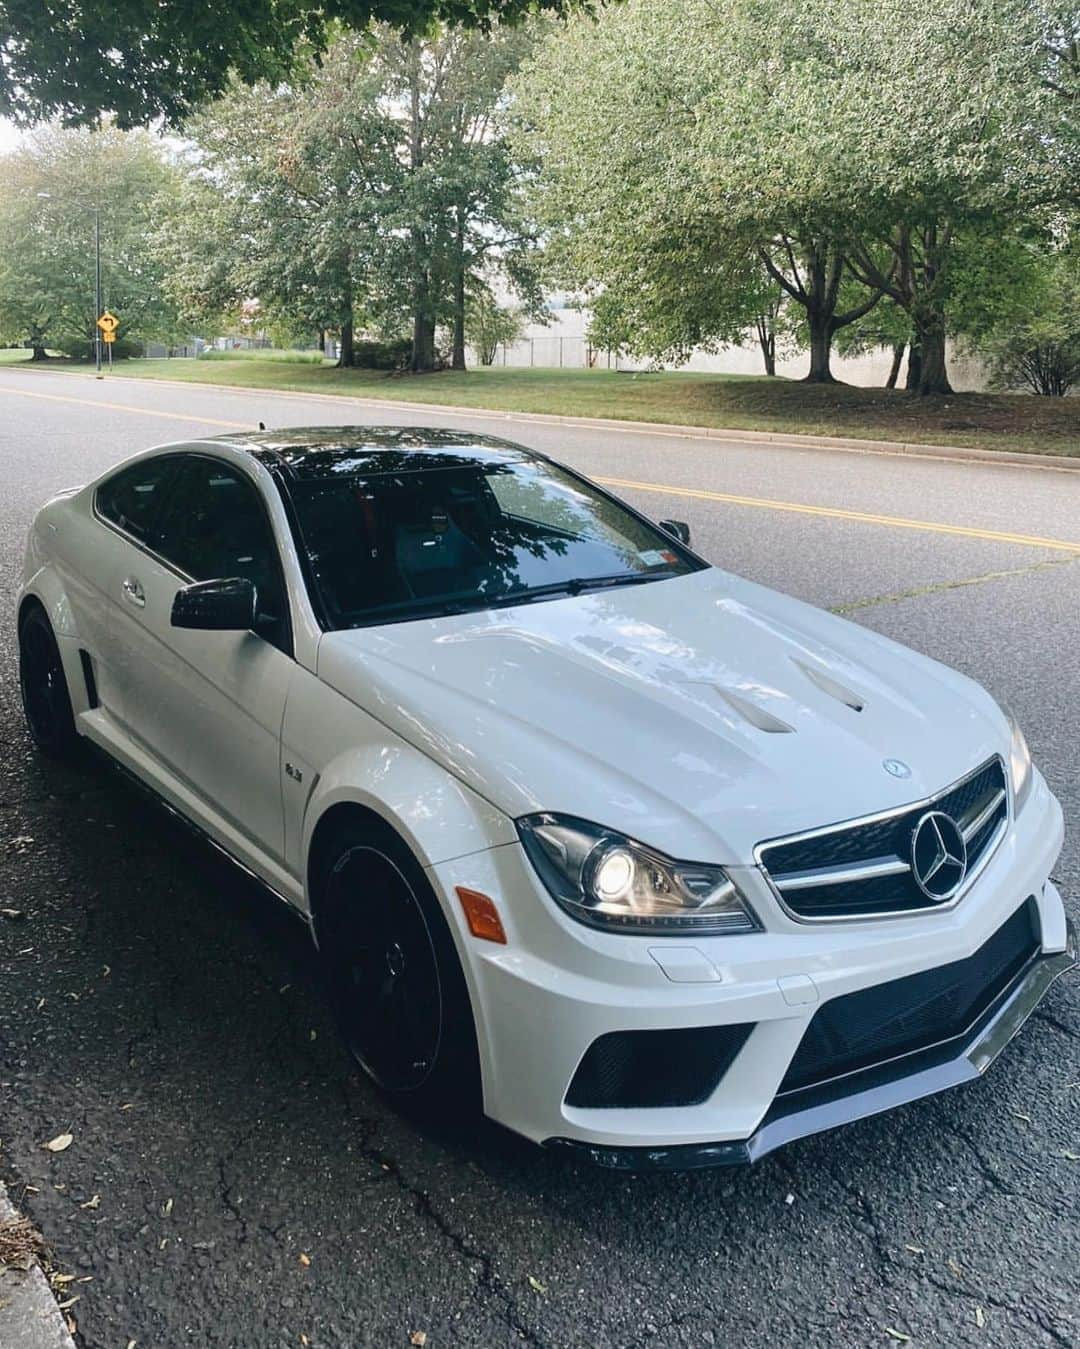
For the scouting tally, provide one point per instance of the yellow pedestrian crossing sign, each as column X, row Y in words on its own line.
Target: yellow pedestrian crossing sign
column 109, row 336
column 108, row 323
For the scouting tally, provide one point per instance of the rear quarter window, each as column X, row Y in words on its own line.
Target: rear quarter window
column 130, row 499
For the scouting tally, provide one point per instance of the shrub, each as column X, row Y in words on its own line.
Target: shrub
column 262, row 354
column 390, row 355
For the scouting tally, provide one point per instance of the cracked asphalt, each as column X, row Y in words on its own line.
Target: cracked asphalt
column 234, row 1183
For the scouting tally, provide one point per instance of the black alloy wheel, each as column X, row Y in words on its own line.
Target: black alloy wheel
column 393, row 975
column 45, row 698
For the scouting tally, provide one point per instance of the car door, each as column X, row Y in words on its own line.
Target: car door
column 207, row 707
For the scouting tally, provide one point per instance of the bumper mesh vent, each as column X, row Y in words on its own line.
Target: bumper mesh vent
column 903, row 1016
column 636, row 1069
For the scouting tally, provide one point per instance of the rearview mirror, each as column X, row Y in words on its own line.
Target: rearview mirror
column 215, row 606
column 678, row 529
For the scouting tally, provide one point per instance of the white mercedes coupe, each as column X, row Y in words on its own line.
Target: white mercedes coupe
column 641, row 859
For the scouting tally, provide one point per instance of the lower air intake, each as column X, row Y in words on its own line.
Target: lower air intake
column 903, row 1016
column 638, row 1069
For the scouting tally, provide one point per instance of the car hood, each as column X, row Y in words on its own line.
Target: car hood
column 700, row 714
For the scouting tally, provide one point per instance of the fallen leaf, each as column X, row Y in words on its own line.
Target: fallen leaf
column 69, row 1303
column 131, row 1344
column 95, row 1202
column 980, row 1317
column 536, row 1285
column 41, row 1004
column 915, row 1250
column 419, row 1338
column 955, row 1268
column 13, row 915
column 304, row 1339
column 305, row 1260
column 166, row 1208
column 59, row 1280
column 59, row 1143
column 1019, row 1114
column 1071, row 1156
column 897, row 1335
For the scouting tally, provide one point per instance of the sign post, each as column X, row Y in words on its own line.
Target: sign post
column 107, row 325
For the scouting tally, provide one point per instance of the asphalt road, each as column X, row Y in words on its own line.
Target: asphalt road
column 233, row 1182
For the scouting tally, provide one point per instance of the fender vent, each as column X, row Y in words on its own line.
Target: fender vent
column 88, row 677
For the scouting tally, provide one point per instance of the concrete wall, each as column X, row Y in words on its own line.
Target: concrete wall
column 562, row 343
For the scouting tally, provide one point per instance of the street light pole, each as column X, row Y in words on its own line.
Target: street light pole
column 97, row 287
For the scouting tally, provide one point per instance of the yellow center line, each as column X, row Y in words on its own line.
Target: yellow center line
column 836, row 513
column 665, row 489
column 124, row 407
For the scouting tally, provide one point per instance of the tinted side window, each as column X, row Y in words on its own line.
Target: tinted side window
column 132, row 497
column 216, row 526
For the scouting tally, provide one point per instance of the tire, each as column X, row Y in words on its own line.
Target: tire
column 393, row 976
column 45, row 698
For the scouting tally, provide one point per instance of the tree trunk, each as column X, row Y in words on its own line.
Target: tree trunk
column 914, row 367
column 766, row 334
column 345, row 356
column 897, row 360
column 457, row 357
column 38, row 354
column 933, row 372
column 821, row 335
column 423, row 342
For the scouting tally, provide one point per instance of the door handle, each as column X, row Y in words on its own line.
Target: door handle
column 133, row 592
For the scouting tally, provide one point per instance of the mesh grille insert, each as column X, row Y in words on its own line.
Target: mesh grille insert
column 882, row 840
column 902, row 1016
column 655, row 1068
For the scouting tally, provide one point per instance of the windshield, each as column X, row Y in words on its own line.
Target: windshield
column 387, row 547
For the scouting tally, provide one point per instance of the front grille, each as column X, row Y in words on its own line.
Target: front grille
column 864, row 867
column 903, row 1016
column 655, row 1068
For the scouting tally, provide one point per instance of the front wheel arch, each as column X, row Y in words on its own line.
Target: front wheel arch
column 453, row 1092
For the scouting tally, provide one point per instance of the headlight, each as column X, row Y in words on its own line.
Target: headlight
column 607, row 880
column 1019, row 763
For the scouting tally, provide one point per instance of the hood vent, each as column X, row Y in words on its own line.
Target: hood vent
column 756, row 716
column 832, row 687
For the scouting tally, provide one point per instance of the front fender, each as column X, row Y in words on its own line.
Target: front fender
column 334, row 754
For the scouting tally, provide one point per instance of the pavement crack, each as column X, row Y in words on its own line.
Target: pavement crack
column 488, row 1281
column 1051, row 1020
column 936, row 587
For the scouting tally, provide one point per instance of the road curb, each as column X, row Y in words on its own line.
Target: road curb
column 29, row 1316
column 1052, row 463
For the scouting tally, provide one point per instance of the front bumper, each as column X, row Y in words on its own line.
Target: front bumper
column 870, row 1092
column 556, row 987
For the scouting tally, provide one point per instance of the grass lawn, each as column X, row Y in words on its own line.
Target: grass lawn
column 743, row 403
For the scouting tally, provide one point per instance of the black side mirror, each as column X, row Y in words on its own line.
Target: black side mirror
column 216, row 606
column 678, row 529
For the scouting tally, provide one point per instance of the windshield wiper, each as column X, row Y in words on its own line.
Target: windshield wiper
column 577, row 585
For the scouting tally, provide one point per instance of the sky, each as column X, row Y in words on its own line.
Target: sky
column 9, row 136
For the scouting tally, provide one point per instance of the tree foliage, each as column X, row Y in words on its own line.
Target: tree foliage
column 366, row 194
column 144, row 61
column 848, row 150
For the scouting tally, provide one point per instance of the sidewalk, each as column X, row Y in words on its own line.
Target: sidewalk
column 29, row 1316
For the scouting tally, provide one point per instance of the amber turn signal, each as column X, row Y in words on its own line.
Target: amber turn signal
column 481, row 915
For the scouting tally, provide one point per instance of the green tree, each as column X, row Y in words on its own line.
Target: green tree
column 490, row 325
column 143, row 61
column 50, row 190
column 367, row 194
column 847, row 148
